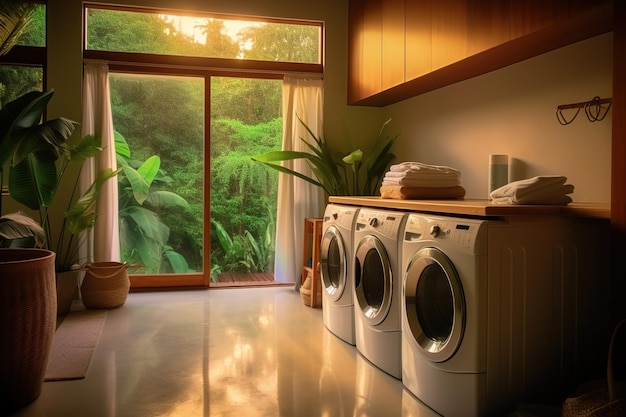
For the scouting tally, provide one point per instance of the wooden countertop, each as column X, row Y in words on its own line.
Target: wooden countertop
column 477, row 207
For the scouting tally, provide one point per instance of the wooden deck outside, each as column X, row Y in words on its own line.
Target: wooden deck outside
column 235, row 279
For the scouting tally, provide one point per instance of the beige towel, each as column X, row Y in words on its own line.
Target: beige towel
column 536, row 190
column 398, row 192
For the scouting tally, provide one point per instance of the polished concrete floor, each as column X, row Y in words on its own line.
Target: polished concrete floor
column 224, row 352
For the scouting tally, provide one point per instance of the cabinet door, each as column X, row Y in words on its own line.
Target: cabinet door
column 418, row 38
column 449, row 31
column 372, row 47
column 529, row 16
column 487, row 24
column 392, row 43
column 355, row 51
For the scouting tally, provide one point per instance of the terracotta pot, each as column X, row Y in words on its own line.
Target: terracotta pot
column 28, row 307
column 105, row 285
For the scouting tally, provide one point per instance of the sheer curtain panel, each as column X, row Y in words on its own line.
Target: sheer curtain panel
column 98, row 121
column 297, row 199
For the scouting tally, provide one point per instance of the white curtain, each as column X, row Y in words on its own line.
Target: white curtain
column 97, row 120
column 297, row 199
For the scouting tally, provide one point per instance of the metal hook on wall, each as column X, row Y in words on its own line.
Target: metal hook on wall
column 595, row 110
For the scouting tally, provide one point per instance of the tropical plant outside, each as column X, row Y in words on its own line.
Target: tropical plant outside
column 160, row 119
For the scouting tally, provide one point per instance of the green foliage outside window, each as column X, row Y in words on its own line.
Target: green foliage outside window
column 162, row 116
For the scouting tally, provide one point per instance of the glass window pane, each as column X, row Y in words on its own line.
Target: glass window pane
column 129, row 31
column 246, row 120
column 35, row 35
column 160, row 119
column 17, row 80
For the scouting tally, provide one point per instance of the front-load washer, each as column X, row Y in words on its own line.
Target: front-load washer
column 491, row 311
column 336, row 253
column 377, row 287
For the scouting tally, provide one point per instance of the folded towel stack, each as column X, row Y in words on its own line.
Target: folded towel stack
column 417, row 174
column 415, row 180
column 550, row 189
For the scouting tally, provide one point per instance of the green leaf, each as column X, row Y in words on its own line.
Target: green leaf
column 150, row 168
column 17, row 226
column 88, row 147
column 145, row 221
column 139, row 186
column 222, row 236
column 177, row 262
column 166, row 199
column 16, row 16
column 82, row 214
column 353, row 157
column 33, row 182
column 121, row 146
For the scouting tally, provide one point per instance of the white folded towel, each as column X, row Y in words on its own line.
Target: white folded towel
column 536, row 190
column 417, row 174
column 422, row 168
column 422, row 182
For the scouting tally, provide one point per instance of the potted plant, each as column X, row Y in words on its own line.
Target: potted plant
column 38, row 155
column 337, row 175
column 27, row 282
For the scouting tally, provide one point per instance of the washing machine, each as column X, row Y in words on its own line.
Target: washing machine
column 490, row 311
column 377, row 287
column 336, row 255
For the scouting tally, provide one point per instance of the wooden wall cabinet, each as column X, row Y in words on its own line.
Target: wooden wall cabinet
column 402, row 48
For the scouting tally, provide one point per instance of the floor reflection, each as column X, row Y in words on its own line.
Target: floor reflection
column 224, row 352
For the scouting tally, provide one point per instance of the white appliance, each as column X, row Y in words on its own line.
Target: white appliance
column 336, row 253
column 377, row 287
column 496, row 312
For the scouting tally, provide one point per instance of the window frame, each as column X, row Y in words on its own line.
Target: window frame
column 27, row 56
column 158, row 64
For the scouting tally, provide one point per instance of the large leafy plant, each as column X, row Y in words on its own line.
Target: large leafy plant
column 143, row 236
column 338, row 175
column 37, row 154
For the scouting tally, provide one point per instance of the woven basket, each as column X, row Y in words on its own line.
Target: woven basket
column 28, row 312
column 605, row 398
column 305, row 293
column 105, row 285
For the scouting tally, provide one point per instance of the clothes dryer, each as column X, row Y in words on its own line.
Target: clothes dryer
column 336, row 265
column 491, row 311
column 377, row 287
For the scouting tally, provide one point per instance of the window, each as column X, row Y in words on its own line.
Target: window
column 193, row 98
column 203, row 36
column 22, row 68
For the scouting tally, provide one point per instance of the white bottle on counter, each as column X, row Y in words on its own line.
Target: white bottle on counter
column 498, row 171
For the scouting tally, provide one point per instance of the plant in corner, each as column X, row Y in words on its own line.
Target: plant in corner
column 337, row 175
column 38, row 155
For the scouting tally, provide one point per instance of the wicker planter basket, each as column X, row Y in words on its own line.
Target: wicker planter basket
column 305, row 293
column 28, row 312
column 105, row 285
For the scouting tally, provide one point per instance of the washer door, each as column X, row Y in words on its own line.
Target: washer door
column 333, row 262
column 435, row 304
column 372, row 280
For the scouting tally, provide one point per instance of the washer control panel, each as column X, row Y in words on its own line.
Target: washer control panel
column 461, row 233
column 384, row 223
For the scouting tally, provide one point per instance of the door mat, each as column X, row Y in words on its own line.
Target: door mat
column 74, row 343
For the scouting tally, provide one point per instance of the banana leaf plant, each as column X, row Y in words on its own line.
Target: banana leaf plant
column 143, row 236
column 37, row 154
column 338, row 175
column 15, row 17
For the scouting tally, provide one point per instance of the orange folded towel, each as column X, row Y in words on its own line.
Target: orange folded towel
column 398, row 192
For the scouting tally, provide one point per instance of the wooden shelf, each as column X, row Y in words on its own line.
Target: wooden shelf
column 477, row 207
column 311, row 251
